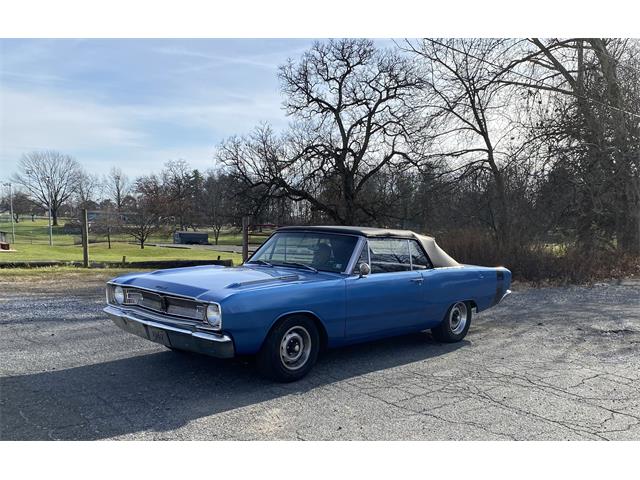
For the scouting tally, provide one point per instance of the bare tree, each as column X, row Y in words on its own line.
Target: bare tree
column 601, row 79
column 142, row 222
column 468, row 110
column 181, row 185
column 143, row 217
column 117, row 187
column 348, row 101
column 217, row 206
column 87, row 188
column 49, row 177
column 213, row 208
column 22, row 205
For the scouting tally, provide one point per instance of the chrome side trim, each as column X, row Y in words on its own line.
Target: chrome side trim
column 506, row 294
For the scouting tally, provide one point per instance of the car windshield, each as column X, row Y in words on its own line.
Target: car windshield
column 309, row 250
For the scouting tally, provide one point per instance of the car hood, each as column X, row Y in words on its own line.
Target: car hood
column 212, row 282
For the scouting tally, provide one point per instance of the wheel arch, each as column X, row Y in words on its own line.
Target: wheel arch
column 322, row 330
column 470, row 302
column 473, row 304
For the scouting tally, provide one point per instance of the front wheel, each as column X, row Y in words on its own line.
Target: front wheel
column 290, row 350
column 455, row 325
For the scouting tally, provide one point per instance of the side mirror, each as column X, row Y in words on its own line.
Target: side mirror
column 364, row 269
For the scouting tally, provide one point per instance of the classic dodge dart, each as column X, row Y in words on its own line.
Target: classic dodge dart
column 305, row 289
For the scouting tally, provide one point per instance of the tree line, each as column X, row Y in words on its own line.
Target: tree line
column 519, row 142
column 524, row 140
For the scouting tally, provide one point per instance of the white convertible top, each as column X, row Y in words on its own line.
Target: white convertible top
column 438, row 257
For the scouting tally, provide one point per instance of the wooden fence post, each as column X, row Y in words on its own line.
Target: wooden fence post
column 85, row 239
column 245, row 238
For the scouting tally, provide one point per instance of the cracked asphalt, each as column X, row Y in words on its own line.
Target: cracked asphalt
column 557, row 363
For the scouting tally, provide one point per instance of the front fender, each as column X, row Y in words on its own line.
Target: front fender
column 249, row 315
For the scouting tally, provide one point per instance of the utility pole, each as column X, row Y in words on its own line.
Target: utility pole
column 50, row 229
column 85, row 239
column 13, row 226
column 245, row 238
column 49, row 205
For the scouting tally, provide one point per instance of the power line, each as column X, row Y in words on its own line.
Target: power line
column 529, row 78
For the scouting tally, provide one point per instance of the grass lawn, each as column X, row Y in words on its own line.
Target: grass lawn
column 38, row 232
column 98, row 252
column 32, row 243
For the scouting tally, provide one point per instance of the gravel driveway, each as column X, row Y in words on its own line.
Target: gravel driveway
column 547, row 364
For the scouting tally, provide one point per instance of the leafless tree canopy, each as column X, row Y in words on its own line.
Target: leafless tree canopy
column 351, row 119
column 527, row 139
column 51, row 178
column 117, row 187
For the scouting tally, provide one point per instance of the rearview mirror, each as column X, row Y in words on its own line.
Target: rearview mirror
column 364, row 269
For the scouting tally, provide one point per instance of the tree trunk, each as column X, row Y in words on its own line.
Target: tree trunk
column 348, row 196
column 627, row 195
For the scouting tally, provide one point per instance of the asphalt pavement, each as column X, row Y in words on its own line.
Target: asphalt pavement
column 547, row 364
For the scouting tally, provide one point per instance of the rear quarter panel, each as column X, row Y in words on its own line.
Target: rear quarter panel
column 445, row 286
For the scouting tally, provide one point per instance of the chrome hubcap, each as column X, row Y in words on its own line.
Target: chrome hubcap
column 458, row 317
column 295, row 348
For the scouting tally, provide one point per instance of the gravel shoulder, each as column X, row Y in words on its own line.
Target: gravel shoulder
column 550, row 363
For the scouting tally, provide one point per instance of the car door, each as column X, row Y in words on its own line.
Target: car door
column 390, row 298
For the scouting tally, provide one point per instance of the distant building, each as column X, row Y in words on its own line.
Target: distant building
column 191, row 238
column 4, row 240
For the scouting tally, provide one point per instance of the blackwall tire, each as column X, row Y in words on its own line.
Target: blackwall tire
column 290, row 349
column 455, row 324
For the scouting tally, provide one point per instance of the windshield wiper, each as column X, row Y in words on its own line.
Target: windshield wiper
column 261, row 262
column 296, row 264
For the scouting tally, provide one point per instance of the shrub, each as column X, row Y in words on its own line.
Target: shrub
column 539, row 262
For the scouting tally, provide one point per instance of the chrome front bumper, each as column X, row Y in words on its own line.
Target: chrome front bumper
column 179, row 335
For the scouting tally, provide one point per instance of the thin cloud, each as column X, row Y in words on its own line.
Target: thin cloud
column 215, row 60
column 110, row 105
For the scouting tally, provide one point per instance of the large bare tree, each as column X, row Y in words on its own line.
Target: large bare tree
column 49, row 177
column 117, row 187
column 600, row 134
column 469, row 128
column 351, row 120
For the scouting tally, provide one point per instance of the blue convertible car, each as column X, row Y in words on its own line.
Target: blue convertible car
column 305, row 289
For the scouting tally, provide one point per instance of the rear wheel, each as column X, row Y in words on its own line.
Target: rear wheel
column 290, row 350
column 455, row 325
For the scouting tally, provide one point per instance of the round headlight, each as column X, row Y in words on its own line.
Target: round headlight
column 118, row 295
column 213, row 316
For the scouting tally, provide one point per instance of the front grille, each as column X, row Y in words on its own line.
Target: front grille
column 150, row 300
column 166, row 304
column 185, row 308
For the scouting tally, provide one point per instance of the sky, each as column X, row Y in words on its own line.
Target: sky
column 136, row 104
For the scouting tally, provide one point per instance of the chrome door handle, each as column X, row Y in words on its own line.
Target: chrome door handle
column 416, row 280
